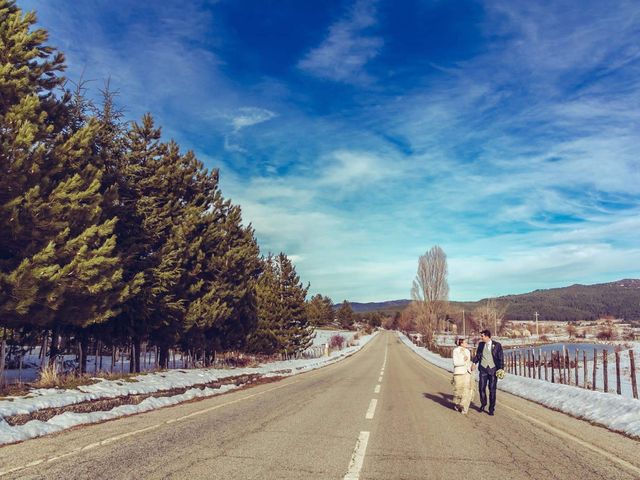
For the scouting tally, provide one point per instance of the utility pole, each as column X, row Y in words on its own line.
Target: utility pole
column 537, row 332
column 488, row 314
column 464, row 328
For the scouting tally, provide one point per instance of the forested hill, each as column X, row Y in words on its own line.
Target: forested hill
column 388, row 306
column 620, row 299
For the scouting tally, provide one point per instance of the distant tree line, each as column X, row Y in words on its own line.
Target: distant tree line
column 576, row 302
column 110, row 234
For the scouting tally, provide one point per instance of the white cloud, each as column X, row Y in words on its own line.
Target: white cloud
column 514, row 264
column 244, row 117
column 354, row 169
column 347, row 49
column 248, row 116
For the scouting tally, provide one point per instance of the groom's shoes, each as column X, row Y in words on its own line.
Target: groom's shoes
column 481, row 409
column 490, row 412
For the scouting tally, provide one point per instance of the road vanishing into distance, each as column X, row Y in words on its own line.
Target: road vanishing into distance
column 383, row 413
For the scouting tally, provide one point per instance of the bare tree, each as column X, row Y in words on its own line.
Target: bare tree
column 430, row 291
column 491, row 315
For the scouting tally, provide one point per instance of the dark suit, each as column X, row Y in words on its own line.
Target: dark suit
column 487, row 376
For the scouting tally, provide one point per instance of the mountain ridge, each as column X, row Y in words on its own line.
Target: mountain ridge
column 620, row 299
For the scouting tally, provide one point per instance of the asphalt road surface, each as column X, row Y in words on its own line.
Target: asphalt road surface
column 383, row 413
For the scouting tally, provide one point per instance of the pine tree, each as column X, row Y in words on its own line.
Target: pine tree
column 328, row 313
column 282, row 319
column 320, row 310
column 345, row 315
column 57, row 260
column 144, row 227
column 315, row 309
column 269, row 336
column 233, row 266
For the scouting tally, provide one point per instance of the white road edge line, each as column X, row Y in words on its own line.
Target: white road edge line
column 380, row 378
column 562, row 433
column 377, row 389
column 372, row 409
column 566, row 435
column 115, row 438
column 106, row 441
column 357, row 459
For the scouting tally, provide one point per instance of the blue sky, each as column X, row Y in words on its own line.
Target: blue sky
column 357, row 134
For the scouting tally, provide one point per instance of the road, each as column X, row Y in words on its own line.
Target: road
column 383, row 413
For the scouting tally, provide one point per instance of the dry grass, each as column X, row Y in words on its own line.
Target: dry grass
column 125, row 377
column 49, row 378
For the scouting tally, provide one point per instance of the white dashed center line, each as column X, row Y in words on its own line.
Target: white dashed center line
column 357, row 459
column 372, row 409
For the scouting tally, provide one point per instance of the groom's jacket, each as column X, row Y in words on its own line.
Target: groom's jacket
column 496, row 353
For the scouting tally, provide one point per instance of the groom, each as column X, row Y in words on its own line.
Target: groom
column 490, row 358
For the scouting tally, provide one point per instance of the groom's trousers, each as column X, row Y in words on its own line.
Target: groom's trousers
column 487, row 378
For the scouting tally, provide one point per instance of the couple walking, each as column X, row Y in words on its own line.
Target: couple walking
column 489, row 359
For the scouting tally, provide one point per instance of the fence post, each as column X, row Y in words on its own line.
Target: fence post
column 576, row 366
column 634, row 381
column 533, row 359
column 553, row 361
column 605, row 373
column 567, row 363
column 529, row 363
column 546, row 370
column 584, row 365
column 561, row 367
column 595, row 366
column 618, row 386
column 540, row 363
column 3, row 347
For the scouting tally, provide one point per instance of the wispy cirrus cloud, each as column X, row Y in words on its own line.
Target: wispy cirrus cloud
column 348, row 47
column 244, row 117
column 351, row 170
column 248, row 116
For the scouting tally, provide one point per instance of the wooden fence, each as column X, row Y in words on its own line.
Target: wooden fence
column 572, row 369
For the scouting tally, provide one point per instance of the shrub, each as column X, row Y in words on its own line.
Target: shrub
column 606, row 334
column 49, row 377
column 336, row 342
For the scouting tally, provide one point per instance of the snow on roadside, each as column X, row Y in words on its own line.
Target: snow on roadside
column 612, row 411
column 143, row 384
column 324, row 336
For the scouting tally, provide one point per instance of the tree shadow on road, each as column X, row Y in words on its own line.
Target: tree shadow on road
column 444, row 399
